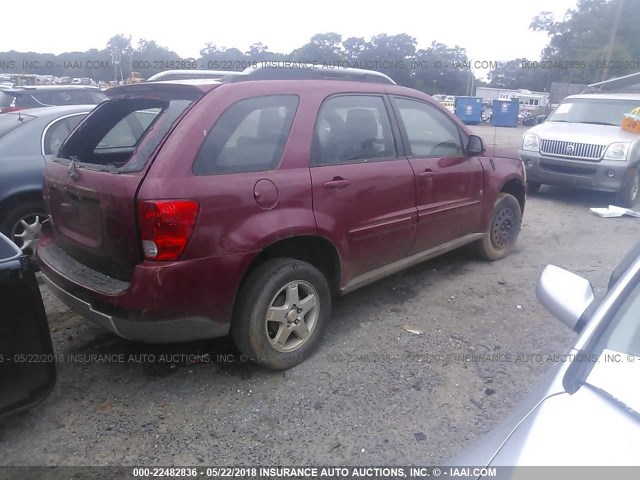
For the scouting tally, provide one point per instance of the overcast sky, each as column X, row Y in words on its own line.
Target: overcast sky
column 488, row 29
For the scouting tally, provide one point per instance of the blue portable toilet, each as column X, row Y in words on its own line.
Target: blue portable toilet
column 504, row 113
column 469, row 109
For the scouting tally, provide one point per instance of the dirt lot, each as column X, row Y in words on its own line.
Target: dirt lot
column 372, row 394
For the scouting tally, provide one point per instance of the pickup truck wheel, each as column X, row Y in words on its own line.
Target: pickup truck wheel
column 22, row 225
column 533, row 187
column 504, row 228
column 280, row 312
column 628, row 196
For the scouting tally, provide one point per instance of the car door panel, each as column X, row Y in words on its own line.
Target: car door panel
column 364, row 201
column 449, row 183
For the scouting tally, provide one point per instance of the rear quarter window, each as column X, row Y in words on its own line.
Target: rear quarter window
column 249, row 136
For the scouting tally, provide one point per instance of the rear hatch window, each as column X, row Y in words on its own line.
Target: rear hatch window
column 110, row 136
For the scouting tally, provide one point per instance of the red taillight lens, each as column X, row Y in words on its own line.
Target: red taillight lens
column 165, row 227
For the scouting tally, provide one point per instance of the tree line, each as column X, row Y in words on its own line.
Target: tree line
column 579, row 44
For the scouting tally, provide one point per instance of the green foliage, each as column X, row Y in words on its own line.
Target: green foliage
column 394, row 55
column 581, row 35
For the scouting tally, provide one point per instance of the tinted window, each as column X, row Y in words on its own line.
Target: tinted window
column 429, row 131
column 249, row 136
column 57, row 132
column 351, row 129
column 128, row 131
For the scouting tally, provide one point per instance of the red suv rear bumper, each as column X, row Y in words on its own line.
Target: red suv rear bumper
column 164, row 301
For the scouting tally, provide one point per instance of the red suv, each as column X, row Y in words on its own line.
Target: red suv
column 188, row 210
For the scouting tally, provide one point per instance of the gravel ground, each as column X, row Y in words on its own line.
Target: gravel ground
column 373, row 393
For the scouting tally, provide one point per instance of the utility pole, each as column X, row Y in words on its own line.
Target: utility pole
column 130, row 58
column 612, row 39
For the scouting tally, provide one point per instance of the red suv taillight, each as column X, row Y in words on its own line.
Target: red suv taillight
column 165, row 227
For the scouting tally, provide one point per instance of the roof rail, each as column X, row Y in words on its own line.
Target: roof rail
column 188, row 74
column 306, row 71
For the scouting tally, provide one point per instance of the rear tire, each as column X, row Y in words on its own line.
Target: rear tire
column 533, row 187
column 500, row 238
column 22, row 223
column 281, row 311
column 628, row 196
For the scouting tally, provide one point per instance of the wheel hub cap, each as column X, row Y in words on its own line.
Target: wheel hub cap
column 26, row 233
column 292, row 316
column 502, row 229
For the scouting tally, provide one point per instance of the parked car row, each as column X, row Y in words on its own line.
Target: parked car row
column 27, row 79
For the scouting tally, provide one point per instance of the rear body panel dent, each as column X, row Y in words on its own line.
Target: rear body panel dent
column 205, row 288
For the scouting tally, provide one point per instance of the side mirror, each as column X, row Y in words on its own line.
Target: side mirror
column 565, row 295
column 475, row 145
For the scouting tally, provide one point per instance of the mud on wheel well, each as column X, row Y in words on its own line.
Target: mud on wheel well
column 314, row 250
column 515, row 188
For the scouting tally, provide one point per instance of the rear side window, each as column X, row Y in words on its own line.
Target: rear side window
column 249, row 136
column 352, row 129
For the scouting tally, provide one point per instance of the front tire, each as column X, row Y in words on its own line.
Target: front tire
column 628, row 196
column 281, row 311
column 506, row 218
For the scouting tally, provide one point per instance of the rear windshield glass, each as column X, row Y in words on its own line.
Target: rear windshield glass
column 597, row 111
column 115, row 130
column 11, row 121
